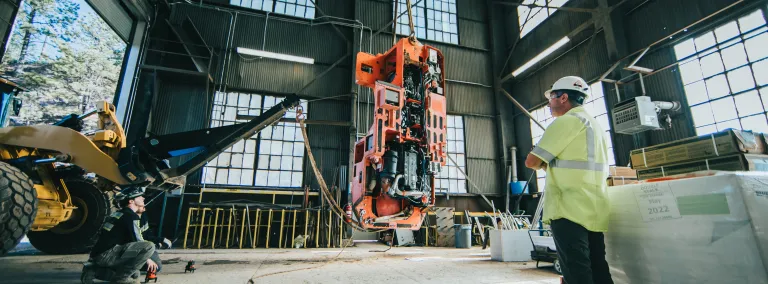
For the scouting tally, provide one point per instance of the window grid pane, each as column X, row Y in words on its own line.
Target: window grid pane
column 433, row 20
column 274, row 156
column 594, row 106
column 296, row 8
column 731, row 69
column 450, row 178
column 529, row 18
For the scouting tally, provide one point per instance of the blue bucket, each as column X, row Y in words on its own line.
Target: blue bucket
column 517, row 187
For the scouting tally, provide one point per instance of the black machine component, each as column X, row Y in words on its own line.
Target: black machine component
column 402, row 174
column 72, row 121
column 144, row 163
column 390, row 165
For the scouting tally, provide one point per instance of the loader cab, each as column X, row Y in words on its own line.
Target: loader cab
column 10, row 104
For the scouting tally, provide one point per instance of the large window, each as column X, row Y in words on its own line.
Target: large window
column 273, row 158
column 433, row 20
column 531, row 17
column 595, row 105
column 297, row 8
column 725, row 73
column 450, row 178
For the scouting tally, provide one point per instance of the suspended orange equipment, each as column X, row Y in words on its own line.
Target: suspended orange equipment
column 396, row 162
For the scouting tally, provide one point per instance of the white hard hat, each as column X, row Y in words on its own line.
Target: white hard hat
column 572, row 83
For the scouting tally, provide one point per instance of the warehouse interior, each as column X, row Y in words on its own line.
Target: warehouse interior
column 693, row 71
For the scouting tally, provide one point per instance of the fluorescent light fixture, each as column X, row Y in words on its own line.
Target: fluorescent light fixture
column 267, row 54
column 541, row 56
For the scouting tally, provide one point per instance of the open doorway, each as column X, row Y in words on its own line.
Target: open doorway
column 66, row 57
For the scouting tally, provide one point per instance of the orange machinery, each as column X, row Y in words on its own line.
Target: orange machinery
column 396, row 162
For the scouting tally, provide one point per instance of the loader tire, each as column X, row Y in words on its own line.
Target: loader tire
column 79, row 233
column 18, row 206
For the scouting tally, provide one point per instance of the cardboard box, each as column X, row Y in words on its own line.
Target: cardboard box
column 740, row 162
column 614, row 171
column 698, row 230
column 614, row 181
column 719, row 144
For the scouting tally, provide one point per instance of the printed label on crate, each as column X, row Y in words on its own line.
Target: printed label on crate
column 656, row 202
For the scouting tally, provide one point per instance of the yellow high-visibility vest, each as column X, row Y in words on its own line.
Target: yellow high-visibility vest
column 576, row 153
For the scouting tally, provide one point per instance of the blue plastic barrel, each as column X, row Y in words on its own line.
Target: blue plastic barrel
column 463, row 235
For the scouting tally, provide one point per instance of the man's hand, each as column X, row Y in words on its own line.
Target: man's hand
column 151, row 265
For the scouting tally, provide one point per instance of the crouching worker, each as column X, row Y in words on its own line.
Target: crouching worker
column 121, row 249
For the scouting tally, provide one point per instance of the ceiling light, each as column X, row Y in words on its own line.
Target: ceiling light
column 267, row 54
column 541, row 56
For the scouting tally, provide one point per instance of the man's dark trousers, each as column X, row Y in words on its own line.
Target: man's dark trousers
column 581, row 253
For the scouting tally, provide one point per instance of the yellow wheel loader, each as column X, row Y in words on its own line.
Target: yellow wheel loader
column 56, row 181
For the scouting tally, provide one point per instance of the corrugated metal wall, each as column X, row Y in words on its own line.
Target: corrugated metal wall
column 185, row 107
column 469, row 99
column 650, row 22
column 482, row 153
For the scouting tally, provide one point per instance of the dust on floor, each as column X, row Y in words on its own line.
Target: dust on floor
column 363, row 263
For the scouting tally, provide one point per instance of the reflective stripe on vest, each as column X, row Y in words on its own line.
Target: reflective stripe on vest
column 137, row 230
column 548, row 157
column 588, row 165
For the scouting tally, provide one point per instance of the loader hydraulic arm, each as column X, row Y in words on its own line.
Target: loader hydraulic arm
column 143, row 163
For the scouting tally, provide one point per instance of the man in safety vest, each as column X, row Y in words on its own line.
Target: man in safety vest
column 574, row 153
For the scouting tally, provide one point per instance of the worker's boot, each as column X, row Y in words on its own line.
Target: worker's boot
column 88, row 274
column 122, row 279
column 128, row 280
column 104, row 273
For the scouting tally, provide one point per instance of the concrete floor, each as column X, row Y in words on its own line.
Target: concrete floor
column 356, row 264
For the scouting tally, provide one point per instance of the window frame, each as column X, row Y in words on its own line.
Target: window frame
column 716, row 50
column 308, row 4
column 521, row 25
column 403, row 29
column 219, row 114
column 445, row 171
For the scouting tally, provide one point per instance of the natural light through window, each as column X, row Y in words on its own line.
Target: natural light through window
column 273, row 158
column 450, row 178
column 531, row 17
column 296, row 8
column 595, row 106
column 433, row 20
column 725, row 73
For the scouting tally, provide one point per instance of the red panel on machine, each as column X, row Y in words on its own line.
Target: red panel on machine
column 395, row 163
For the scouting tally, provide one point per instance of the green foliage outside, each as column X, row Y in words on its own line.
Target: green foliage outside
column 65, row 55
